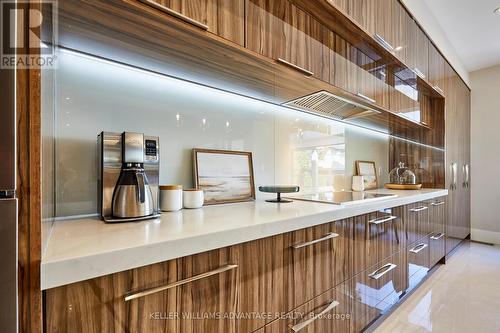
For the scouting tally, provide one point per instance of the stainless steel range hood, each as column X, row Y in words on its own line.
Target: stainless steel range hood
column 328, row 105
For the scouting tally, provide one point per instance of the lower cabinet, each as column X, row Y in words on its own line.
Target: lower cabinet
column 377, row 236
column 377, row 289
column 418, row 256
column 329, row 312
column 333, row 277
column 417, row 222
column 437, row 239
column 168, row 297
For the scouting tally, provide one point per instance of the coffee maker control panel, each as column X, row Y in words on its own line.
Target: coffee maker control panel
column 151, row 150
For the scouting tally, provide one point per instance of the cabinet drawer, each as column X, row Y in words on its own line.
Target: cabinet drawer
column 316, row 259
column 329, row 312
column 262, row 276
column 151, row 299
column 437, row 247
column 437, row 210
column 418, row 261
column 417, row 222
column 377, row 289
column 377, row 236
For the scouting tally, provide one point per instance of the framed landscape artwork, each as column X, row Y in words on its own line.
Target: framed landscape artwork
column 368, row 170
column 224, row 176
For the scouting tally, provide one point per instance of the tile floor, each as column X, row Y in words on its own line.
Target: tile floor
column 461, row 296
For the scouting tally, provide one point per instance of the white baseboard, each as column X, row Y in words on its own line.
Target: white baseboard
column 485, row 236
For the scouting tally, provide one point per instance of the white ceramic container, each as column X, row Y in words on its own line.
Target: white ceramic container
column 171, row 198
column 193, row 198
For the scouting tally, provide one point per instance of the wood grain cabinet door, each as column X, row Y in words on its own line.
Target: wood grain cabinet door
column 418, row 261
column 316, row 260
column 377, row 289
column 262, row 277
column 225, row 18
column 343, row 64
column 422, row 55
column 168, row 297
column 417, row 222
column 329, row 312
column 282, row 31
column 436, row 69
column 377, row 236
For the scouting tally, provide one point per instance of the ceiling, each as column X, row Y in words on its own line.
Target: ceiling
column 472, row 29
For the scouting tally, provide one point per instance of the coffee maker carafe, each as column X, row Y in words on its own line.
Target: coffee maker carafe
column 128, row 176
column 132, row 196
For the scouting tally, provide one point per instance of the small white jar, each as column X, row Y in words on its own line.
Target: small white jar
column 193, row 198
column 170, row 198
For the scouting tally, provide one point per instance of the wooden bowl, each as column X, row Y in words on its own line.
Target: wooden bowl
column 403, row 186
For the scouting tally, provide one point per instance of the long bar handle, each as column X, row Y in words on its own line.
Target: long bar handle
column 304, row 324
column 419, row 248
column 466, row 171
column 419, row 209
column 382, row 271
column 180, row 282
column 175, row 14
column 453, row 168
column 298, row 68
column 437, row 236
column 366, row 97
column 384, row 43
column 440, row 203
column 383, row 219
column 322, row 239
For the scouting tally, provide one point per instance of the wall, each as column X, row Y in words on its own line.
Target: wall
column 93, row 95
column 431, row 25
column 485, row 155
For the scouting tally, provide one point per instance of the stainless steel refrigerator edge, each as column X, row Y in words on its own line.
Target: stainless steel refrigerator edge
column 8, row 203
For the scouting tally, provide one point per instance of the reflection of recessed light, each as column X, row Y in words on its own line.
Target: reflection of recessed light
column 398, row 48
column 497, row 10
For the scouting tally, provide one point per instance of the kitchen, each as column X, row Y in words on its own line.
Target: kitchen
column 237, row 166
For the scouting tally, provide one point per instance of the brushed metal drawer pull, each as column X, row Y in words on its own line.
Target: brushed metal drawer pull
column 175, row 14
column 304, row 324
column 300, row 69
column 419, row 248
column 327, row 237
column 437, row 236
column 382, row 271
column 180, row 283
column 382, row 219
column 437, row 203
column 384, row 43
column 439, row 90
column 366, row 97
column 419, row 209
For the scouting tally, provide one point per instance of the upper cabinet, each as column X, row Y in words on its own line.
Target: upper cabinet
column 421, row 48
column 222, row 17
column 436, row 69
column 280, row 30
column 384, row 20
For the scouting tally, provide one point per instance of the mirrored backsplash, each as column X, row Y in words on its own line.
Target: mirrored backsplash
column 87, row 95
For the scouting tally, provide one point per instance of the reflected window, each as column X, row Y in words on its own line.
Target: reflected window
column 316, row 167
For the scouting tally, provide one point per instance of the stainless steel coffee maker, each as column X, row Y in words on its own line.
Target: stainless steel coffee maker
column 128, row 172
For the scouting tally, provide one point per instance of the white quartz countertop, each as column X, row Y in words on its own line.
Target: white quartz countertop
column 81, row 249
